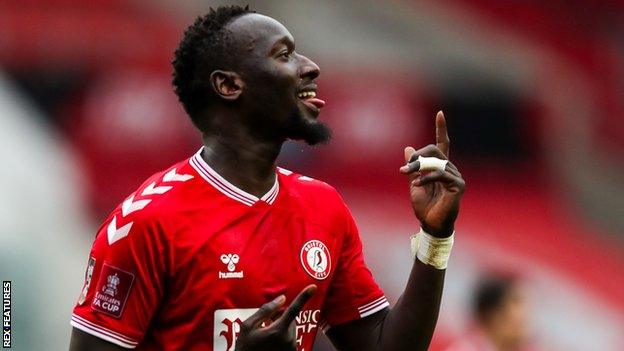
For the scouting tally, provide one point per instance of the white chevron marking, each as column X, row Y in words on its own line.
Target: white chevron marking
column 115, row 233
column 153, row 189
column 172, row 176
column 128, row 206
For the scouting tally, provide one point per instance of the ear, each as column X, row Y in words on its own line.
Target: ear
column 226, row 84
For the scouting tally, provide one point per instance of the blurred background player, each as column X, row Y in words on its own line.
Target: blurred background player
column 500, row 317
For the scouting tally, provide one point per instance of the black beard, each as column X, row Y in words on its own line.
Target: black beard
column 296, row 127
column 301, row 128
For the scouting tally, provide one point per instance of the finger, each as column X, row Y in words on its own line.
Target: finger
column 293, row 310
column 409, row 151
column 439, row 176
column 415, row 167
column 442, row 139
column 451, row 168
column 413, row 164
column 410, row 167
column 266, row 311
column 428, row 151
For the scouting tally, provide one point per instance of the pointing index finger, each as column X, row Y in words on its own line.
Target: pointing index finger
column 442, row 139
column 266, row 311
column 293, row 310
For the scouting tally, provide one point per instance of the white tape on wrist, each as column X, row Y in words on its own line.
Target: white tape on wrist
column 431, row 250
column 431, row 164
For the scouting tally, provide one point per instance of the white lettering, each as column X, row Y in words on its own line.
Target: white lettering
column 110, row 307
column 299, row 332
column 227, row 275
column 6, row 314
column 305, row 322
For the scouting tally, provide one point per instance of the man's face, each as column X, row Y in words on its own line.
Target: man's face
column 279, row 90
column 509, row 322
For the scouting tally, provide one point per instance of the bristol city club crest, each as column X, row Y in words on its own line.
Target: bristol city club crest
column 315, row 259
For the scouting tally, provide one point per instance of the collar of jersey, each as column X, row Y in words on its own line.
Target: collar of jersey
column 228, row 189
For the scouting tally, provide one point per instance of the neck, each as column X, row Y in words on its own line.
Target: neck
column 242, row 158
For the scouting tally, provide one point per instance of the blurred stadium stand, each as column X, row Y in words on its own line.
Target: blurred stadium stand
column 534, row 97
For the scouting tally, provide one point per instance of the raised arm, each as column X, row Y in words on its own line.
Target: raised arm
column 435, row 197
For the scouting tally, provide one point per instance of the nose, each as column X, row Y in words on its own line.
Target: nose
column 308, row 69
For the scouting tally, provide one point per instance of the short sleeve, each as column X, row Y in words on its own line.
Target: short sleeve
column 123, row 281
column 353, row 292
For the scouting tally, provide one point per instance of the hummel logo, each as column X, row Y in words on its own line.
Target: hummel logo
column 230, row 260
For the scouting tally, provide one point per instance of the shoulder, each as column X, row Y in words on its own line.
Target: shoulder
column 308, row 187
column 153, row 203
column 315, row 195
column 161, row 192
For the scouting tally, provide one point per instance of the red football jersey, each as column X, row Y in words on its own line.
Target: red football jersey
column 189, row 256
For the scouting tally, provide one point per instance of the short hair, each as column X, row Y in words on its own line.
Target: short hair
column 490, row 293
column 202, row 50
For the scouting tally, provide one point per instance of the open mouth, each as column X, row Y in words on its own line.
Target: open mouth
column 308, row 97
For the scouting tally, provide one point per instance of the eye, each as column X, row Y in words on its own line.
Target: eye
column 285, row 54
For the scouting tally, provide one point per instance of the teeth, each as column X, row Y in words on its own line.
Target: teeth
column 306, row 94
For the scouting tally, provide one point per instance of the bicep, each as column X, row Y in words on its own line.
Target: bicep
column 81, row 341
column 360, row 334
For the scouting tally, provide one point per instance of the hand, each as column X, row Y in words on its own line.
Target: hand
column 435, row 195
column 278, row 335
